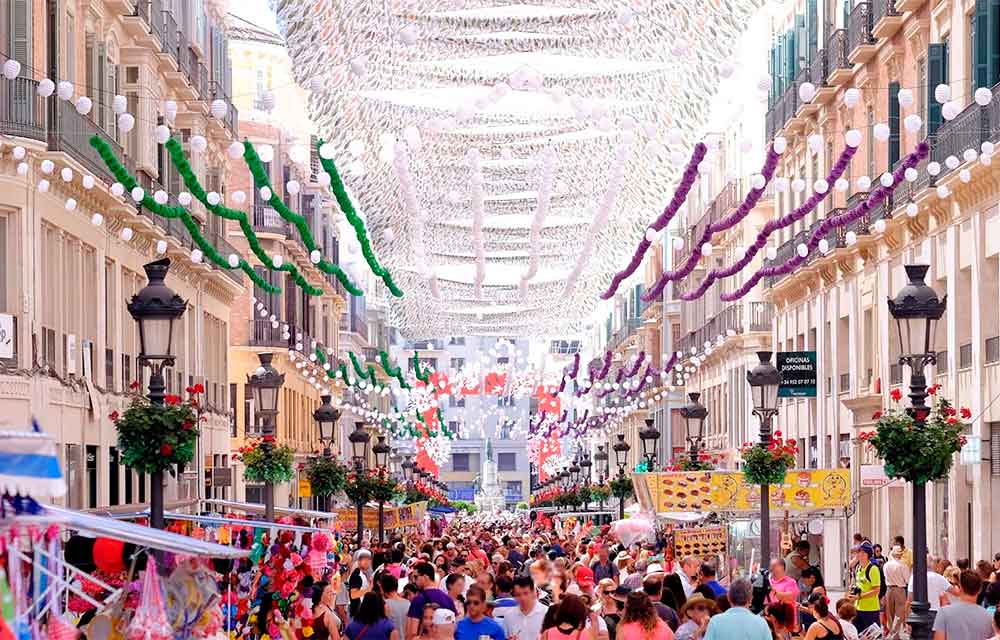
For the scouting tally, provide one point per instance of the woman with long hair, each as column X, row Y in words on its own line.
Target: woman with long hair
column 781, row 617
column 371, row 622
column 640, row 622
column 826, row 627
column 569, row 622
column 326, row 623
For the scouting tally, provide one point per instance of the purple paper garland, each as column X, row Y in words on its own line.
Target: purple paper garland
column 687, row 182
column 770, row 227
column 748, row 204
column 874, row 199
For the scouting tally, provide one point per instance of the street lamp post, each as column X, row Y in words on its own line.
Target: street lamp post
column 601, row 458
column 326, row 417
column 649, row 437
column 266, row 382
column 764, row 380
column 916, row 309
column 155, row 308
column 381, row 451
column 694, row 414
column 359, row 439
column 621, row 449
column 585, row 465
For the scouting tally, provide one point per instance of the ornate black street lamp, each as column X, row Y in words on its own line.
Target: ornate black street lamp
column 574, row 471
column 381, row 451
column 649, row 437
column 407, row 467
column 764, row 380
column 326, row 417
column 265, row 383
column 359, row 439
column 156, row 308
column 621, row 449
column 601, row 458
column 694, row 414
column 916, row 309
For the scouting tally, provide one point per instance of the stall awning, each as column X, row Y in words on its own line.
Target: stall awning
column 247, row 507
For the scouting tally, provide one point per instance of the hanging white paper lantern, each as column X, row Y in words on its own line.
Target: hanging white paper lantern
column 213, row 198
column 969, row 155
column 199, row 143
column 184, row 198
column 160, row 197
column 326, row 151
column 942, row 93
column 97, row 219
column 293, row 187
column 233, row 260
column 965, row 175
column 816, row 143
column 22, row 168
column 850, row 238
column 852, row 97
column 821, row 186
column 912, row 123
column 239, row 197
column 886, row 179
column 46, row 88
column 19, row 152
column 780, row 145
column 117, row 189
column 170, row 109
column 47, row 166
column 266, row 193
column 161, row 246
column 66, row 174
column 879, row 226
column 950, row 110
column 807, row 91
column 824, row 246
column 881, row 131
column 782, row 184
column 265, row 152
column 359, row 66
column 706, row 249
column 84, row 105
column 11, row 69
column 278, row 260
column 802, row 250
column 933, row 168
column 162, row 133
column 912, row 209
column 323, row 179
column 772, row 253
column 70, row 204
column 126, row 233
column 651, row 235
column 986, row 159
column 983, row 96
column 905, row 97
column 356, row 169
column 757, row 181
column 951, row 162
column 911, row 174
column 798, row 185
column 235, row 150
column 119, row 104
column 864, row 183
column 315, row 256
column 942, row 191
column 853, row 138
column 43, row 185
column 196, row 255
column 219, row 109
column 137, row 194
column 678, row 243
column 64, row 90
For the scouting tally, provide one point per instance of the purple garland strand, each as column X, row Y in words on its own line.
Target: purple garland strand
column 639, row 359
column 874, row 199
column 748, row 204
column 843, row 162
column 687, row 182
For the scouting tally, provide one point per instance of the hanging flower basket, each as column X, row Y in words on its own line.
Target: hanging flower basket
column 155, row 438
column 922, row 454
column 622, row 488
column 704, row 462
column 275, row 467
column 327, row 476
column 600, row 492
column 768, row 465
column 373, row 485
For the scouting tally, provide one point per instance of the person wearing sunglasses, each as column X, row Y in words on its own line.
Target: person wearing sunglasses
column 476, row 624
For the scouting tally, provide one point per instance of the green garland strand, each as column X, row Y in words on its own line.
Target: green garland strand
column 358, row 369
column 182, row 165
column 393, row 372
column 340, row 193
column 423, row 377
column 122, row 175
column 260, row 179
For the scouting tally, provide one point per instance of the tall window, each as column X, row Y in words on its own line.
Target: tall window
column 871, row 142
column 460, row 462
column 506, row 461
column 922, row 95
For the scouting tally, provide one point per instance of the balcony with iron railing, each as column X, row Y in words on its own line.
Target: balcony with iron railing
column 860, row 41
column 737, row 318
column 628, row 328
column 23, row 113
column 267, row 220
column 886, row 18
column 70, row 132
column 170, row 35
column 232, row 114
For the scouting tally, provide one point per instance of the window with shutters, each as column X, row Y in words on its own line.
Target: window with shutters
column 922, row 96
column 506, row 461
column 893, row 147
column 20, row 31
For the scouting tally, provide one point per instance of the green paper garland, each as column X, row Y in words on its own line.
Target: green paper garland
column 122, row 175
column 358, row 369
column 260, row 179
column 423, row 377
column 394, row 372
column 176, row 152
column 355, row 221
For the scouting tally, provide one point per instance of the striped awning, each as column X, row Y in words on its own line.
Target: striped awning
column 29, row 465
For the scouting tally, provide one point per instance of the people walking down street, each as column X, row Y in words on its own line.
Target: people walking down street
column 707, row 576
column 424, row 580
column 569, row 621
column 937, row 588
column 370, row 622
column 640, row 620
column 524, row 621
column 826, row 626
column 696, row 613
column 867, row 581
column 738, row 622
column 475, row 625
column 907, row 558
column 603, row 567
column 687, row 571
column 897, row 576
column 846, row 613
column 963, row 619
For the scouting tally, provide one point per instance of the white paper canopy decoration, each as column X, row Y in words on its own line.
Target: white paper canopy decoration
column 29, row 465
column 511, row 80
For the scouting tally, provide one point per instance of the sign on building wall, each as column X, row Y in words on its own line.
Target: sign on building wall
column 705, row 491
column 798, row 374
column 6, row 336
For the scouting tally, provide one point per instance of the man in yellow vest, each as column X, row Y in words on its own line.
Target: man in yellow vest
column 868, row 583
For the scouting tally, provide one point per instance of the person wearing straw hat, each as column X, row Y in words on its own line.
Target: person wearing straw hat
column 696, row 612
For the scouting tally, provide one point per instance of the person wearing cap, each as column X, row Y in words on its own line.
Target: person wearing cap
column 897, row 575
column 524, row 622
column 697, row 611
column 585, row 581
column 360, row 581
column 443, row 625
column 868, row 580
column 475, row 624
column 603, row 567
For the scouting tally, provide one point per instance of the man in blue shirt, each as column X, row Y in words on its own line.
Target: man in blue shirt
column 738, row 623
column 707, row 578
column 424, row 579
column 475, row 624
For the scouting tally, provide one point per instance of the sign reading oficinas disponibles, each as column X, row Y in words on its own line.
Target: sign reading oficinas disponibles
column 798, row 374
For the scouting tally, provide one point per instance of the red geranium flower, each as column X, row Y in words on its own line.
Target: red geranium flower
column 952, row 420
column 172, row 399
column 965, row 413
column 134, row 385
column 199, row 388
column 933, row 389
column 166, row 449
column 114, row 416
column 877, row 415
column 188, row 425
column 268, row 438
column 896, row 395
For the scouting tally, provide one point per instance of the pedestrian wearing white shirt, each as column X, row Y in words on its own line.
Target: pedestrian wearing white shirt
column 688, row 572
column 897, row 575
column 525, row 621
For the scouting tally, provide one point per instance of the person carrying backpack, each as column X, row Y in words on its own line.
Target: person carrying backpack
column 869, row 588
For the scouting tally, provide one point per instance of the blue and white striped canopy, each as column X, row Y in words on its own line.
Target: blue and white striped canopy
column 29, row 465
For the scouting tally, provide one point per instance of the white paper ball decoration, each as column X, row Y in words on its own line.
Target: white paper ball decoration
column 11, row 69
column 66, row 174
column 126, row 122
column 798, row 185
column 782, row 184
column 850, row 238
column 184, row 198
column 821, row 186
column 772, row 253
column 46, row 88
column 933, row 168
column 265, row 152
column 43, row 185
column 199, row 143
column 213, row 198
column 650, row 235
column 986, row 159
column 137, row 194
column 905, row 97
column 879, row 225
column 912, row 123
column 886, row 179
column 293, row 187
column 942, row 93
column 323, row 179
column 266, row 193
column 969, row 155
column 359, row 66
column 864, row 183
column 965, row 175
column 802, row 250
column 950, row 109
column 278, row 260
column 119, row 104
column 219, row 109
column 678, row 243
column 852, row 97
column 64, row 90
column 912, row 209
column 807, row 91
column 707, row 249
column 315, row 256
column 911, row 174
column 47, row 166
column 84, row 105
column 160, row 197
column 824, row 246
column 22, row 168
column 758, row 181
column 951, row 162
column 161, row 246
column 233, row 260
column 162, row 134
column 853, row 138
column 780, row 145
column 942, row 191
column 326, row 151
column 70, row 204
column 841, row 184
column 881, row 131
column 117, row 189
column 170, row 108
column 239, row 197
column 235, row 150
column 196, row 255
column 815, row 142
column 983, row 96
column 19, row 152
column 97, row 219
column 127, row 233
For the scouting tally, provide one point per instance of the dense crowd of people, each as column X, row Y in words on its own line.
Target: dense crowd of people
column 477, row 582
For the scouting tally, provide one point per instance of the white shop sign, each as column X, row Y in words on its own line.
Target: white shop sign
column 6, row 335
column 873, row 475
